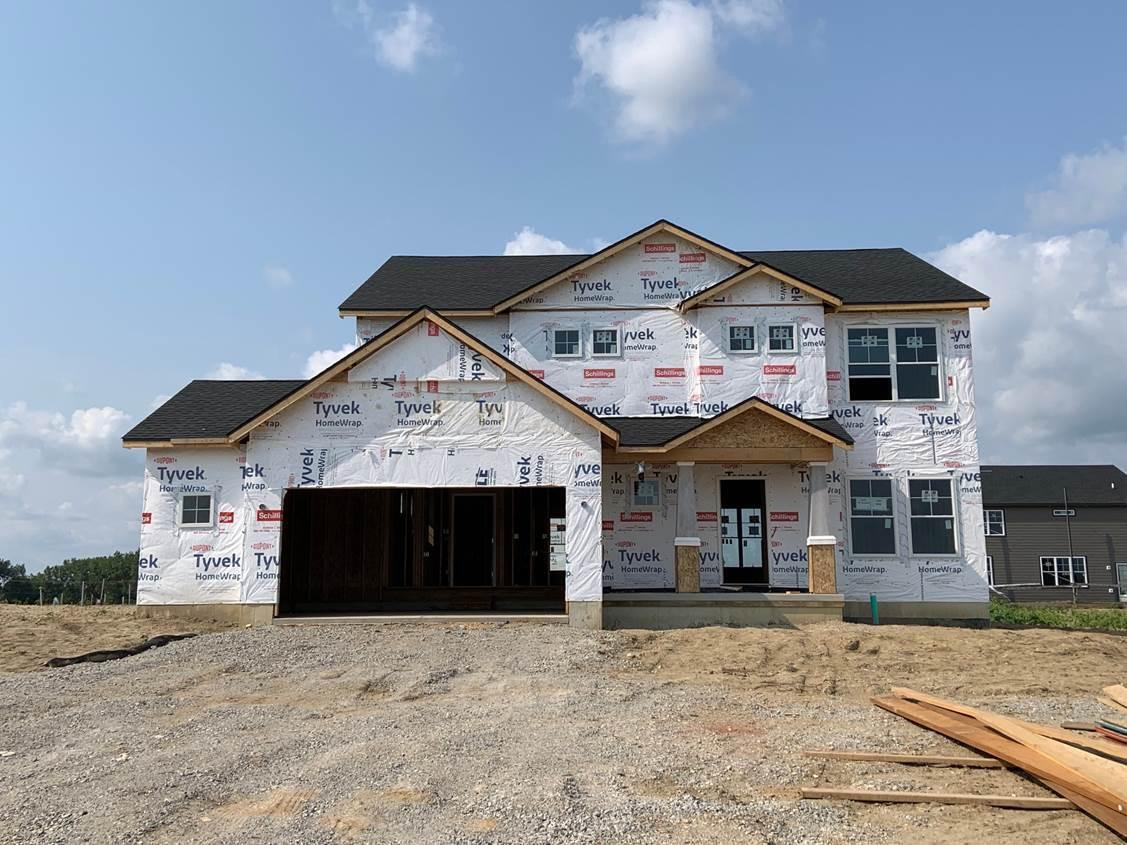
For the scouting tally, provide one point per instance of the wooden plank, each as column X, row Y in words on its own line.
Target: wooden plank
column 1079, row 726
column 911, row 759
column 890, row 797
column 1118, row 694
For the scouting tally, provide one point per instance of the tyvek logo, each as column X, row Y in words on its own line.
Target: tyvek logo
column 797, row 556
column 688, row 409
column 584, row 291
column 490, row 414
column 791, row 407
column 147, row 566
column 812, row 336
column 940, row 424
column 588, row 475
column 417, row 414
column 217, row 567
column 646, row 560
column 641, row 340
column 181, row 480
column 265, row 566
column 611, row 409
column 970, row 482
column 471, row 365
column 530, row 470
column 960, row 339
column 314, row 462
column 661, row 289
column 336, row 414
column 253, row 476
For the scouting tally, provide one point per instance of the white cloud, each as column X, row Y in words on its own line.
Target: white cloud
column 1050, row 362
column 407, row 36
column 530, row 242
column 661, row 66
column 323, row 358
column 227, row 371
column 277, row 276
column 1086, row 189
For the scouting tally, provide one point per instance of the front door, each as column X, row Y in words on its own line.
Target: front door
column 743, row 541
column 472, row 540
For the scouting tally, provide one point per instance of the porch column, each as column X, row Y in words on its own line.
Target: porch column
column 821, row 544
column 686, row 545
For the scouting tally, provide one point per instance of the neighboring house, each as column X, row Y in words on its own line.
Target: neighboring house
column 598, row 433
column 1050, row 528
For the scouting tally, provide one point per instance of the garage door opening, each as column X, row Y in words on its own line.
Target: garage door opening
column 417, row 550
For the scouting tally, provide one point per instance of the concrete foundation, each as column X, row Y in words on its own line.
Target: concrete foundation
column 659, row 611
column 585, row 614
column 921, row 612
column 236, row 614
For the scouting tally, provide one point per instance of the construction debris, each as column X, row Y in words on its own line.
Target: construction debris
column 1118, row 695
column 894, row 797
column 910, row 759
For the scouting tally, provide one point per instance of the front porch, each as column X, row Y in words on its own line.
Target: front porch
column 660, row 611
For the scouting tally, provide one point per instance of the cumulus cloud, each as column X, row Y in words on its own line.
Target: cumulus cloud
column 85, row 443
column 661, row 67
column 1050, row 362
column 227, row 371
column 399, row 41
column 277, row 276
column 324, row 358
column 1088, row 188
column 530, row 242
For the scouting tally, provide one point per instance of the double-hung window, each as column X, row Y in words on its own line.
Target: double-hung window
column 1064, row 571
column 932, row 510
column 782, row 338
column 566, row 343
column 195, row 510
column 872, row 526
column 604, row 343
column 889, row 364
column 995, row 522
column 741, row 338
column 646, row 494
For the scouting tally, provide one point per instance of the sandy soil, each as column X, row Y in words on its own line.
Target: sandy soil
column 30, row 635
column 482, row 733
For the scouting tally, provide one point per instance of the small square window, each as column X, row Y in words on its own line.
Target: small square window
column 604, row 343
column 195, row 509
column 566, row 343
column 646, row 494
column 995, row 522
column 741, row 338
column 781, row 338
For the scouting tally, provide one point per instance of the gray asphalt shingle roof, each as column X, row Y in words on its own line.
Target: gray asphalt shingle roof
column 478, row 282
column 211, row 408
column 656, row 431
column 1100, row 484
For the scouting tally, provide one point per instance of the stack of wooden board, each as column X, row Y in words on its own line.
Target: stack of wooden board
column 1089, row 771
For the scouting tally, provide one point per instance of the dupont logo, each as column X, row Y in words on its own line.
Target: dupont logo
column 650, row 249
column 833, row 375
column 432, row 329
column 146, row 519
column 537, row 374
column 608, row 524
column 635, row 517
column 226, row 517
column 268, row 515
column 321, row 394
column 261, row 546
column 598, row 373
column 706, row 516
column 692, row 258
column 202, row 547
column 710, row 370
column 779, row 369
column 669, row 372
column 783, row 516
column 164, row 459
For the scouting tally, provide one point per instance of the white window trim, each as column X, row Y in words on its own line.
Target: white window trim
column 634, row 505
column 1056, row 572
column 617, row 342
column 891, row 329
column 578, row 354
column 754, row 339
column 180, row 511
column 954, row 516
column 849, row 508
column 794, row 337
column 986, row 522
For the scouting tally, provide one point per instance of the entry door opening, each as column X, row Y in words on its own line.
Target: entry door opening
column 743, row 540
column 471, row 540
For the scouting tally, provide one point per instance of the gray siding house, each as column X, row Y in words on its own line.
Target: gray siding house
column 1038, row 548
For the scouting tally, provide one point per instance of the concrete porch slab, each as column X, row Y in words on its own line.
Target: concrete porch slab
column 659, row 611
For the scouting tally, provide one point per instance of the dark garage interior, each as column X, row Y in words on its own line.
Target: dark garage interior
column 396, row 550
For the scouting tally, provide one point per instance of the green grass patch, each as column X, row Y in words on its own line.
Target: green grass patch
column 1058, row 616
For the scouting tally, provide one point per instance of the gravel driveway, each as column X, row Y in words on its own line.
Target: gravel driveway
column 485, row 733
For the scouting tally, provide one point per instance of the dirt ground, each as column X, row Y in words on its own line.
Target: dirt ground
column 482, row 733
column 30, row 635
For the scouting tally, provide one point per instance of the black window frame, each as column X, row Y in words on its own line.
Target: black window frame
column 182, row 509
column 918, row 504
column 894, row 364
column 855, row 515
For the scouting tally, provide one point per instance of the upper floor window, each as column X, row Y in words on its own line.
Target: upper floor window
column 933, row 516
column 782, row 338
column 741, row 338
column 888, row 364
column 195, row 510
column 1064, row 571
column 872, row 527
column 604, row 343
column 566, row 343
column 995, row 522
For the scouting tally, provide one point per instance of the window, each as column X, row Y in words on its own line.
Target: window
column 781, row 338
column 882, row 370
column 933, row 516
column 604, row 342
column 990, row 570
column 741, row 338
column 646, row 494
column 1064, row 571
column 566, row 344
column 195, row 509
column 995, row 522
column 872, row 528
column 1064, row 512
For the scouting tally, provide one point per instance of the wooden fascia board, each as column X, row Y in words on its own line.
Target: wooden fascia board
column 767, row 270
column 917, row 306
column 204, row 442
column 403, row 312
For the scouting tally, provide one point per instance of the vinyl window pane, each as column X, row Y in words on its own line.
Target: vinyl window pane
column 933, row 535
column 741, row 338
column 566, row 342
column 917, row 345
column 781, row 338
column 604, row 342
column 872, row 530
column 868, row 346
column 917, row 381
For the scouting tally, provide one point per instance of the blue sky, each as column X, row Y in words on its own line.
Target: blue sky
column 186, row 186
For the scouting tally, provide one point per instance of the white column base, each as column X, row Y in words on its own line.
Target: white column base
column 686, row 541
column 824, row 540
